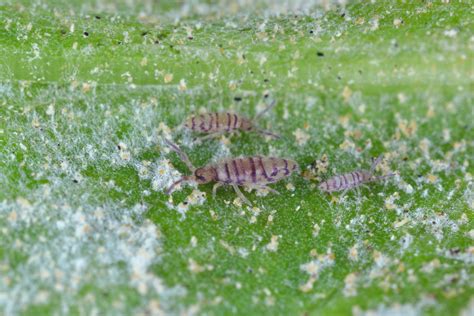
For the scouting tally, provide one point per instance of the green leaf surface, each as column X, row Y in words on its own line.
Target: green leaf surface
column 89, row 90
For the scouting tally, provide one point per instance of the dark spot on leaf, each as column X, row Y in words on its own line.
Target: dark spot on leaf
column 311, row 32
column 157, row 42
column 320, row 54
column 265, row 80
column 97, row 17
column 86, row 33
column 75, row 181
column 144, row 33
column 343, row 14
column 190, row 38
column 238, row 99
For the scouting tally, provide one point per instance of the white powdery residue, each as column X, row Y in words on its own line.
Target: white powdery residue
column 195, row 198
column 301, row 136
column 80, row 244
column 164, row 175
column 467, row 310
column 397, row 309
column 440, row 223
column 315, row 267
column 406, row 241
column 350, row 285
column 466, row 256
column 273, row 244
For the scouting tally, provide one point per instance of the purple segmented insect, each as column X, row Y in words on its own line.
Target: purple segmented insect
column 352, row 179
column 252, row 171
column 218, row 123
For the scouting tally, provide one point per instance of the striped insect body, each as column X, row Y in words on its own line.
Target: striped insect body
column 217, row 123
column 256, row 171
column 352, row 179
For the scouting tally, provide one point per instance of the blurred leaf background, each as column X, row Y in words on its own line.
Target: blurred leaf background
column 88, row 90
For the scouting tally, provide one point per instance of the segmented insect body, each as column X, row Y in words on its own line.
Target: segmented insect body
column 352, row 179
column 256, row 171
column 217, row 123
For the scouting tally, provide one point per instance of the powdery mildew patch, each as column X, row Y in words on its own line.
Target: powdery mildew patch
column 64, row 245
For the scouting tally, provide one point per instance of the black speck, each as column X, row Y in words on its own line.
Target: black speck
column 238, row 99
column 320, row 54
column 119, row 148
column 63, row 32
column 265, row 95
column 144, row 33
column 454, row 251
column 360, row 71
column 119, row 42
column 59, row 145
column 250, row 270
column 97, row 17
column 311, row 32
column 265, row 80
column 86, row 33
column 343, row 14
column 185, row 202
column 75, row 181
column 405, row 158
column 157, row 42
column 339, row 78
column 190, row 38
column 433, row 222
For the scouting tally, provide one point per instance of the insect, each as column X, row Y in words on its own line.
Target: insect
column 352, row 179
column 215, row 124
column 251, row 171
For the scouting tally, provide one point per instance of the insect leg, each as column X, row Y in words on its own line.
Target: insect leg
column 269, row 107
column 270, row 189
column 214, row 189
column 343, row 194
column 241, row 195
column 181, row 154
column 209, row 136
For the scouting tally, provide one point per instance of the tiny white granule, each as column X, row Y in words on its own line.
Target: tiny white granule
column 182, row 85
column 194, row 267
column 350, row 287
column 194, row 241
column 346, row 94
column 290, row 187
column 273, row 245
column 397, row 22
column 390, row 201
column 353, row 253
column 308, row 286
column 316, row 230
column 450, row 33
column 400, row 223
column 168, row 78
column 301, row 136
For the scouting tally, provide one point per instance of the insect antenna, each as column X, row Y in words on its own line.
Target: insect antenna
column 171, row 188
column 182, row 155
column 269, row 107
column 375, row 163
column 267, row 133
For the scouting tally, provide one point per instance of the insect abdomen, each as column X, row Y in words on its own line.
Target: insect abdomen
column 254, row 170
column 215, row 122
column 343, row 182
